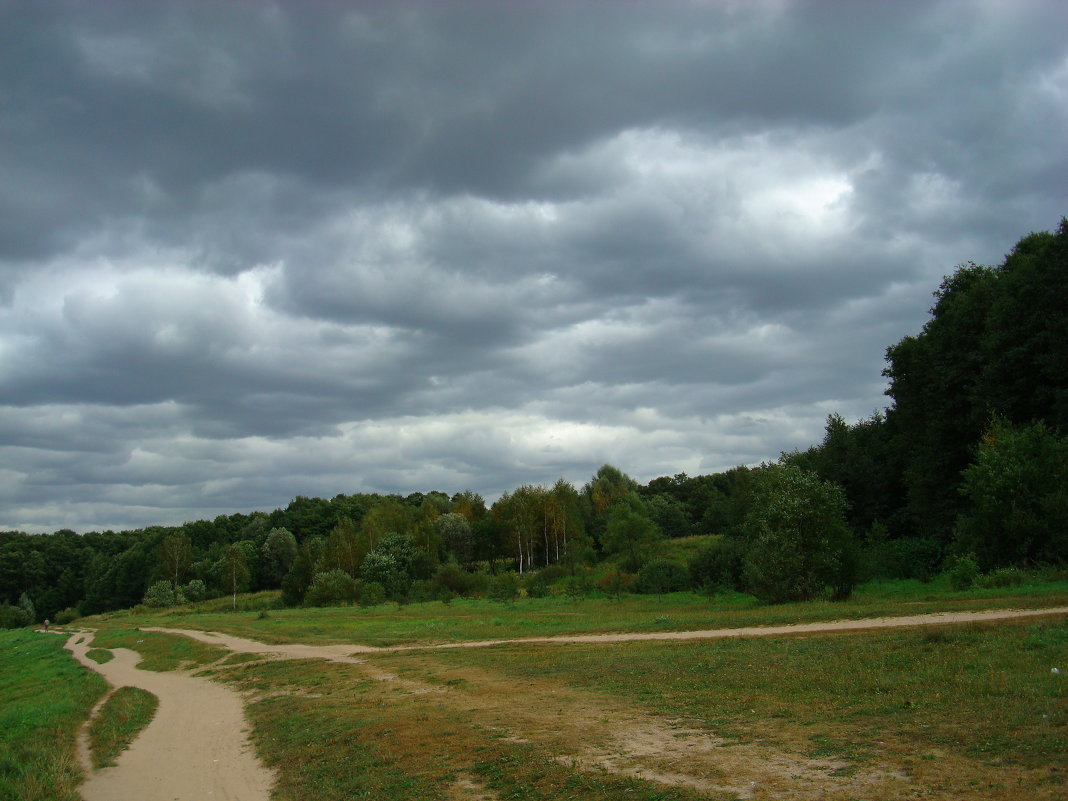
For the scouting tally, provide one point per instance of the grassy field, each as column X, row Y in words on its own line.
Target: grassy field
column 44, row 697
column 946, row 712
column 461, row 619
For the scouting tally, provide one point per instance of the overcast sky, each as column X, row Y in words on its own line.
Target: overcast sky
column 252, row 251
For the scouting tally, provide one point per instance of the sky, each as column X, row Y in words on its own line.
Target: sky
column 250, row 251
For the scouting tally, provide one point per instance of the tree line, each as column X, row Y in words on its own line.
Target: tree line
column 966, row 468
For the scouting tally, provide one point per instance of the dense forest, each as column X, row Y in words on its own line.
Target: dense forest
column 965, row 470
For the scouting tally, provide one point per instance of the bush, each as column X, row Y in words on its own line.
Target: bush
column 1017, row 491
column 13, row 617
column 538, row 589
column 551, row 574
column 370, row 593
column 907, row 557
column 332, row 588
column 720, row 565
column 578, row 586
column 162, row 594
column 452, row 580
column 1003, row 577
column 539, row 584
column 660, row 576
column 67, row 616
column 28, row 607
column 962, row 572
column 798, row 537
column 504, row 587
column 195, row 590
column 615, row 582
column 425, row 590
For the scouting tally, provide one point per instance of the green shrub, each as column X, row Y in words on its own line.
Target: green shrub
column 66, row 616
column 538, row 589
column 539, row 584
column 660, row 576
column 195, row 590
column 27, row 606
column 1003, row 577
column 504, row 587
column 720, row 565
column 615, row 581
column 332, row 588
column 962, row 572
column 162, row 594
column 13, row 617
column 907, row 557
column 578, row 586
column 452, row 580
column 1017, row 491
column 370, row 593
column 798, row 537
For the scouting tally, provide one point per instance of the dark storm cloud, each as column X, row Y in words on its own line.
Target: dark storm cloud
column 249, row 251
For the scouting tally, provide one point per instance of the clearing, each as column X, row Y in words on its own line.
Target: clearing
column 413, row 701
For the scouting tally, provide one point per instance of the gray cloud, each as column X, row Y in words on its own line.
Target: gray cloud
column 253, row 251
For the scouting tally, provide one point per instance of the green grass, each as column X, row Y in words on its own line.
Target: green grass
column 99, row 655
column 986, row 691
column 974, row 697
column 159, row 652
column 44, row 696
column 465, row 619
column 334, row 734
column 118, row 722
column 968, row 696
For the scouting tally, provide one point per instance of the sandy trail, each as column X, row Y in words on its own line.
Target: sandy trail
column 347, row 653
column 195, row 749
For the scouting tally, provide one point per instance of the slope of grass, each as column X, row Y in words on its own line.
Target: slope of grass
column 44, row 697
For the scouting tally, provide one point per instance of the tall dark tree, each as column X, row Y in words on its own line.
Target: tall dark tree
column 938, row 414
column 799, row 545
column 1025, row 376
column 1017, row 492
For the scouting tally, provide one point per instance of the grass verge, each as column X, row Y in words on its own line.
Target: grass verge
column 99, row 655
column 118, row 722
column 44, row 697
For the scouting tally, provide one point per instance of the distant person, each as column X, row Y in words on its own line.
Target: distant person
column 46, row 624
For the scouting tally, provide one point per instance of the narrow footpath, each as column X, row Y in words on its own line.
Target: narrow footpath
column 195, row 749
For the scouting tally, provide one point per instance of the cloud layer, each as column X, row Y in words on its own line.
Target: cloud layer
column 253, row 251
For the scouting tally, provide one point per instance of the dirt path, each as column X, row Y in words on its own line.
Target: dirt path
column 346, row 653
column 195, row 749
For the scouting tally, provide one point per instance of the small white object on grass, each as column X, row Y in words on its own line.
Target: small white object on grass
column 1054, row 670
